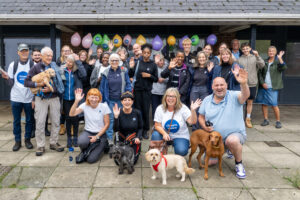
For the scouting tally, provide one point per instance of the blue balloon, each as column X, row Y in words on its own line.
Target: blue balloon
column 211, row 39
column 157, row 43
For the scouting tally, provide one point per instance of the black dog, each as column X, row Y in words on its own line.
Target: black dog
column 123, row 156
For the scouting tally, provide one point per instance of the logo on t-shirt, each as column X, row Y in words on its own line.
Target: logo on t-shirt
column 174, row 127
column 21, row 76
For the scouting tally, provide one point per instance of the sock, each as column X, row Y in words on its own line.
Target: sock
column 238, row 162
column 248, row 115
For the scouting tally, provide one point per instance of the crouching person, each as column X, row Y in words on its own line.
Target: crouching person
column 96, row 117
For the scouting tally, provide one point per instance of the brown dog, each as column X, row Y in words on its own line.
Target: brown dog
column 43, row 77
column 212, row 143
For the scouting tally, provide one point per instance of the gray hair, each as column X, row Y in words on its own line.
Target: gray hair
column 114, row 55
column 46, row 50
column 71, row 58
column 122, row 49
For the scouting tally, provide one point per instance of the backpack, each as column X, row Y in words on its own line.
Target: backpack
column 16, row 63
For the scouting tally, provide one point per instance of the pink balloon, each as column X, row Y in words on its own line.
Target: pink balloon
column 87, row 41
column 75, row 39
column 127, row 40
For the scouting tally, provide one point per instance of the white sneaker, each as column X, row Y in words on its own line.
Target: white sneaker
column 229, row 154
column 240, row 171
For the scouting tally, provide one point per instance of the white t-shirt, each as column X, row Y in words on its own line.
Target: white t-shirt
column 18, row 92
column 179, row 128
column 94, row 117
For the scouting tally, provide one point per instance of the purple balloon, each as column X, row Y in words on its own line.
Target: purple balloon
column 180, row 41
column 157, row 43
column 211, row 39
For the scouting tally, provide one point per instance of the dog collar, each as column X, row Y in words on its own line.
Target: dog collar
column 156, row 166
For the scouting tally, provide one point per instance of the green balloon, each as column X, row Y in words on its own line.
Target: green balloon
column 195, row 40
column 97, row 39
column 105, row 42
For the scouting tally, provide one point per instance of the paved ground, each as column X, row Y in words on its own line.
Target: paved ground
column 25, row 176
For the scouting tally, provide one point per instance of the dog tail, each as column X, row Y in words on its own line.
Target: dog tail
column 188, row 170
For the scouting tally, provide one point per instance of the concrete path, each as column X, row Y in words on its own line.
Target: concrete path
column 271, row 157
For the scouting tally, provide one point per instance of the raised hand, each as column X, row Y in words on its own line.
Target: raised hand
column 92, row 62
column 76, row 57
column 78, row 94
column 235, row 70
column 241, row 76
column 90, row 52
column 110, row 45
column 210, row 66
column 255, row 52
column 196, row 104
column 173, row 63
column 116, row 111
column 157, row 58
column 4, row 74
column 281, row 53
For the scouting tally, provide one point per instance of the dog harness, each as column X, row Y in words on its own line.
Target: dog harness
column 130, row 139
column 156, row 166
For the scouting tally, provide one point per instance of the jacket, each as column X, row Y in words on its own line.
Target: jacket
column 208, row 84
column 251, row 64
column 233, row 84
column 276, row 70
column 104, row 87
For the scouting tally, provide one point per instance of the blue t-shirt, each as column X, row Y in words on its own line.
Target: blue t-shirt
column 226, row 116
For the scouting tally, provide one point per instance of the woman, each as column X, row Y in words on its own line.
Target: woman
column 179, row 76
column 173, row 111
column 144, row 73
column 128, row 123
column 115, row 81
column 88, row 65
column 226, row 69
column 121, row 51
column 208, row 49
column 96, row 118
column 189, row 58
column 222, row 46
column 74, row 72
column 98, row 70
column 270, row 81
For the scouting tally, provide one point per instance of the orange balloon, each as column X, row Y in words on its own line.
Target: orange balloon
column 141, row 40
column 171, row 40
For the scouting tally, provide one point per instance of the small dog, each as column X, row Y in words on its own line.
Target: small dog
column 43, row 77
column 123, row 156
column 212, row 143
column 161, row 163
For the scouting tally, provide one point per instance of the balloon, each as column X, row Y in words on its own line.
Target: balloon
column 75, row 39
column 87, row 41
column 97, row 40
column 195, row 40
column 141, row 40
column 127, row 40
column 157, row 43
column 180, row 41
column 211, row 39
column 117, row 40
column 171, row 40
column 105, row 42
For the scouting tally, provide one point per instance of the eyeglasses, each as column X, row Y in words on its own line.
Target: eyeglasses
column 66, row 51
column 171, row 96
column 114, row 60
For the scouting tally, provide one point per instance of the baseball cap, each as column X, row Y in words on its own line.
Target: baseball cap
column 23, row 46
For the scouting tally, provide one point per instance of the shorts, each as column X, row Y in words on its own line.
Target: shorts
column 252, row 93
column 267, row 97
column 242, row 137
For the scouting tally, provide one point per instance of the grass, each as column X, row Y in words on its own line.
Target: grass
column 295, row 179
column 39, row 194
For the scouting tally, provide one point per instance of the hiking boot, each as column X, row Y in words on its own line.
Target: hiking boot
column 17, row 146
column 40, row 151
column 145, row 135
column 62, row 129
column 57, row 147
column 28, row 144
column 278, row 124
column 248, row 123
column 240, row 171
column 265, row 122
column 47, row 132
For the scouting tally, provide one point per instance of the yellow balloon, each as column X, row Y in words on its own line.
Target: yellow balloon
column 117, row 40
column 171, row 40
column 141, row 40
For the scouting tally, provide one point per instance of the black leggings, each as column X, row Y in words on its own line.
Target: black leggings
column 70, row 120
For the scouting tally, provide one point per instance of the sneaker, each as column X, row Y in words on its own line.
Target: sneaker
column 62, row 129
column 248, row 123
column 28, row 144
column 265, row 122
column 240, row 171
column 40, row 151
column 278, row 124
column 145, row 134
column 17, row 146
column 229, row 154
column 57, row 147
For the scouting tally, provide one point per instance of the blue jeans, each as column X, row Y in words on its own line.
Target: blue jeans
column 17, row 108
column 110, row 131
column 181, row 145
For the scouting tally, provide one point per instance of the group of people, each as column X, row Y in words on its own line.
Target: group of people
column 113, row 93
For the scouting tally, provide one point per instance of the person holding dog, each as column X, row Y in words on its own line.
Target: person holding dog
column 170, row 121
column 128, row 122
column 224, row 110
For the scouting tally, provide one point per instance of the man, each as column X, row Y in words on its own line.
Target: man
column 250, row 62
column 46, row 99
column 224, row 109
column 36, row 55
column 137, row 53
column 235, row 48
column 20, row 96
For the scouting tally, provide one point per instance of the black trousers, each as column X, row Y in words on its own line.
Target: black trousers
column 70, row 121
column 142, row 100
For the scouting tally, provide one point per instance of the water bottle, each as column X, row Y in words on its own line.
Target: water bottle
column 71, row 151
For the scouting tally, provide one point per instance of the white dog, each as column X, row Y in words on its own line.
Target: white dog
column 161, row 163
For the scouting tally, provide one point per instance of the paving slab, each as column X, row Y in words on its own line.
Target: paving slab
column 257, row 136
column 249, row 160
column 271, row 128
column 168, row 193
column 72, row 177
column 264, row 178
column 110, row 177
column 282, row 160
column 65, row 162
column 284, row 137
column 6, row 135
column 11, row 158
column 223, row 193
column 116, row 194
column 275, row 194
column 293, row 146
column 48, row 159
column 106, row 161
column 293, row 127
column 9, row 145
column 261, row 147
column 3, row 142
column 8, row 127
column 35, row 177
column 65, row 194
column 15, row 193
column 12, row 177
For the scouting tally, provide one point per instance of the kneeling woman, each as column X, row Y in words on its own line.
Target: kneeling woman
column 170, row 121
column 96, row 118
column 128, row 122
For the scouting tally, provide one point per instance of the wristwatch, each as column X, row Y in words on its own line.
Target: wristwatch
column 97, row 137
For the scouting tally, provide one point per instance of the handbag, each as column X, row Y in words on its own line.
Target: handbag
column 162, row 145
